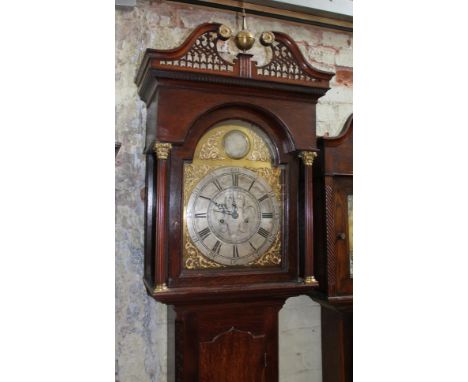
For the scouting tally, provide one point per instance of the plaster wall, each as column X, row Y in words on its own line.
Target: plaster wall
column 142, row 328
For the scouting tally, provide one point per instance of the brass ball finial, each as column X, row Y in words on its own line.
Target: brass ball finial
column 244, row 39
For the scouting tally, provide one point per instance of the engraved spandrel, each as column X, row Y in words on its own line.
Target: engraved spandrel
column 239, row 142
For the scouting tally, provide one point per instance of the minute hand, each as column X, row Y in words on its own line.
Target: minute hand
column 234, row 214
column 224, row 211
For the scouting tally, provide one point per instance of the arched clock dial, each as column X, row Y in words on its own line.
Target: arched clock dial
column 233, row 216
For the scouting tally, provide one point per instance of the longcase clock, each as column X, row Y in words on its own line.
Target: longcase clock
column 333, row 191
column 229, row 204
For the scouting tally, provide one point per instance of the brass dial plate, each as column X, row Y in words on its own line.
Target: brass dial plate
column 233, row 216
column 228, row 220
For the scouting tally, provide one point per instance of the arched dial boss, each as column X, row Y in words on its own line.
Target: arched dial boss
column 233, row 216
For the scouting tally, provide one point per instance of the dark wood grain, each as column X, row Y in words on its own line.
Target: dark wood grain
column 308, row 223
column 238, row 356
column 295, row 115
column 228, row 341
column 161, row 220
column 150, row 223
column 337, row 345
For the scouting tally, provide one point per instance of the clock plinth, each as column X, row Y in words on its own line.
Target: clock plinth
column 229, row 202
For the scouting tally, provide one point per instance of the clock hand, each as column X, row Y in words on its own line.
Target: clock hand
column 224, row 211
column 223, row 208
column 234, row 214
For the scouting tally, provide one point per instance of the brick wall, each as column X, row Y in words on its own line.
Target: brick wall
column 142, row 326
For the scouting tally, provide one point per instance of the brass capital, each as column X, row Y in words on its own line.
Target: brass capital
column 307, row 157
column 310, row 280
column 162, row 149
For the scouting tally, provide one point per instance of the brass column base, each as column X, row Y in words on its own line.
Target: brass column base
column 310, row 280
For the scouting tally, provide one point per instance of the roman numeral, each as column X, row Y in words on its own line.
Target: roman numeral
column 216, row 248
column 263, row 232
column 255, row 249
column 267, row 215
column 235, row 180
column 201, row 215
column 204, row 233
column 235, row 251
column 204, row 197
column 263, row 198
column 218, row 186
column 251, row 184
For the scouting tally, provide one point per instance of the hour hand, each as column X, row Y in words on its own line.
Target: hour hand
column 222, row 208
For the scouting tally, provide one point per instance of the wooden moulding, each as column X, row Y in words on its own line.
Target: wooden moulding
column 282, row 11
column 199, row 57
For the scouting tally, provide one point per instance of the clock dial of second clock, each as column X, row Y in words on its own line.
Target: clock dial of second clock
column 233, row 216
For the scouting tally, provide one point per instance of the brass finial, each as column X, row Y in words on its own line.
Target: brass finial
column 267, row 38
column 244, row 39
column 224, row 32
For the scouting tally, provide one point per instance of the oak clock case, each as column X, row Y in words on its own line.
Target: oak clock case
column 334, row 252
column 230, row 147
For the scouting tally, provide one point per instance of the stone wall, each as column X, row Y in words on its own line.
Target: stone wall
column 141, row 324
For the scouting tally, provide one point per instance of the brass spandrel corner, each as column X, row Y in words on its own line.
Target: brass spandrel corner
column 310, row 280
column 162, row 150
column 193, row 258
column 272, row 257
column 307, row 157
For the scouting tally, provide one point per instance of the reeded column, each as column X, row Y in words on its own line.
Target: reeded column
column 308, row 159
column 162, row 151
